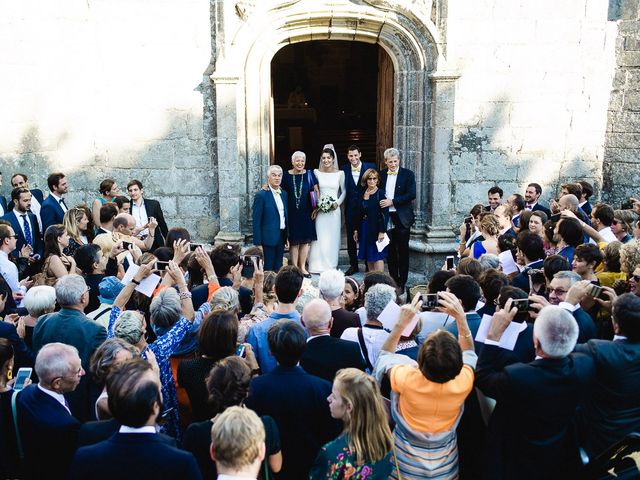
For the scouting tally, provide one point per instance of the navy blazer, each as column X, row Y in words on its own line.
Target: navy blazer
column 266, row 219
column 72, row 327
column 51, row 213
column 541, row 208
column 586, row 326
column 134, row 456
column 404, row 194
column 530, row 434
column 521, row 280
column 36, row 234
column 354, row 191
column 23, row 356
column 377, row 218
column 297, row 401
column 325, row 355
column 3, row 202
column 613, row 408
column 48, row 432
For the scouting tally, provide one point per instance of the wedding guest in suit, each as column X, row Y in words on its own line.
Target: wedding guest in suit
column 8, row 269
column 530, row 429
column 136, row 451
column 108, row 192
column 54, row 206
column 270, row 216
column 25, row 224
column 325, row 354
column 530, row 253
column 587, row 192
column 143, row 209
column 72, row 327
column 494, row 197
column 299, row 183
column 108, row 213
column 400, row 191
column 331, row 290
column 531, row 197
column 48, row 430
column 123, row 203
column 20, row 180
column 302, row 417
column 353, row 172
column 516, row 203
column 373, row 222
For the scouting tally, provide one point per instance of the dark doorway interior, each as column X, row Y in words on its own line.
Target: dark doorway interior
column 336, row 101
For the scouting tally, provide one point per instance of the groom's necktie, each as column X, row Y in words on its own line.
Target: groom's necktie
column 27, row 230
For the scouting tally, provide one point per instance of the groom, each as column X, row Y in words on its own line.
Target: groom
column 270, row 220
column 352, row 176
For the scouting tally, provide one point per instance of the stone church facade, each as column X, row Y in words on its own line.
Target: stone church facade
column 178, row 94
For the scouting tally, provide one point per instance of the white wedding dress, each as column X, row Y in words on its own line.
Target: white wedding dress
column 323, row 254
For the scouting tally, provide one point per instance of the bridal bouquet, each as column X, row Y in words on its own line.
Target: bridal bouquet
column 325, row 205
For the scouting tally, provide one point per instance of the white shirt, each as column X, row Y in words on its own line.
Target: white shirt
column 9, row 271
column 144, row 429
column 316, row 336
column 35, row 209
column 58, row 199
column 58, row 396
column 374, row 338
column 140, row 214
column 619, row 337
column 21, row 223
column 530, row 207
column 607, row 234
column 278, row 199
column 356, row 174
column 390, row 189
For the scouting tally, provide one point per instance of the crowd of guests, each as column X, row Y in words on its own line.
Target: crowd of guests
column 149, row 355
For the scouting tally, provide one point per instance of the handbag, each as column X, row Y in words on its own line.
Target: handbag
column 43, row 278
column 313, row 196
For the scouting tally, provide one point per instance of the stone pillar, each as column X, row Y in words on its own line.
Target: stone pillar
column 229, row 161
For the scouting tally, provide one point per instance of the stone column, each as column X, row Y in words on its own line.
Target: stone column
column 228, row 159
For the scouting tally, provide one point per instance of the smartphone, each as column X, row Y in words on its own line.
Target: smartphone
column 21, row 377
column 126, row 245
column 240, row 351
column 596, row 291
column 247, row 265
column 555, row 218
column 194, row 246
column 429, row 301
column 450, row 264
column 161, row 266
column 522, row 304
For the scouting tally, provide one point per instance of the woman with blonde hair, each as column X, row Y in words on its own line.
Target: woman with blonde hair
column 363, row 450
column 75, row 223
column 489, row 229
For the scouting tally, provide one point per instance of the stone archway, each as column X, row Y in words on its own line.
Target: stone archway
column 247, row 36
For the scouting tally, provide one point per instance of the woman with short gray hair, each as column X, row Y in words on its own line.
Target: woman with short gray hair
column 38, row 301
column 371, row 335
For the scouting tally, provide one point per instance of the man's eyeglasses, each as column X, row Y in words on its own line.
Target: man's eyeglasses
column 557, row 291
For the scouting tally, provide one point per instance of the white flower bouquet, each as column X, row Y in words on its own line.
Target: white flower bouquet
column 325, row 205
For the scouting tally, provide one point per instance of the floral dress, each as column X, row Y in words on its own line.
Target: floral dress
column 336, row 461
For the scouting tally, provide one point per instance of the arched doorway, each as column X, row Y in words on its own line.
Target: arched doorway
column 338, row 92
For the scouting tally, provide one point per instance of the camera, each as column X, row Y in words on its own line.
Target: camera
column 429, row 301
column 596, row 291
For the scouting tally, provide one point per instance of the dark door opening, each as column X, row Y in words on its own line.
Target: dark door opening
column 338, row 92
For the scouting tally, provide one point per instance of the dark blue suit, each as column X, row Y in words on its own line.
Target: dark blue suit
column 521, row 280
column 51, row 213
column 72, row 327
column 352, row 207
column 23, row 356
column 134, row 456
column 530, row 434
column 48, row 433
column 541, row 208
column 3, row 202
column 402, row 218
column 297, row 401
column 266, row 228
column 36, row 235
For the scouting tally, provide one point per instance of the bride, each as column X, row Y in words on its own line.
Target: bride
column 323, row 254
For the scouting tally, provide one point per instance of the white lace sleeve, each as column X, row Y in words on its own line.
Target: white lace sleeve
column 343, row 190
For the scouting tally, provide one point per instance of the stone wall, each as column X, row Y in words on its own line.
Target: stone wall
column 622, row 150
column 110, row 88
column 531, row 101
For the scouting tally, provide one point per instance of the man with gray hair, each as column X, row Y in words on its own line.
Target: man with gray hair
column 71, row 326
column 48, row 430
column 325, row 355
column 371, row 335
column 270, row 220
column 331, row 286
column 400, row 192
column 530, row 429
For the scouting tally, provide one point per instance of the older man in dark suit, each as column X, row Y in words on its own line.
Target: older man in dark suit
column 47, row 429
column 270, row 220
column 296, row 400
column 24, row 223
column 353, row 172
column 71, row 326
column 136, row 450
column 530, row 434
column 145, row 209
column 613, row 408
column 54, row 207
column 400, row 190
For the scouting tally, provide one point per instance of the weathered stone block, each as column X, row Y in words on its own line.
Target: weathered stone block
column 463, row 166
column 632, row 100
column 194, row 206
column 629, row 59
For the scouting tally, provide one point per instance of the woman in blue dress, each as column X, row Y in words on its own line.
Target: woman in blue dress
column 374, row 220
column 298, row 183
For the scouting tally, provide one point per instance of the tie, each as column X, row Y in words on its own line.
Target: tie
column 528, row 206
column 277, row 191
column 62, row 203
column 27, row 230
column 355, row 169
column 392, row 173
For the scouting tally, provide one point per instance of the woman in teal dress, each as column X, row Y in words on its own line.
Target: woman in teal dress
column 363, row 450
column 108, row 193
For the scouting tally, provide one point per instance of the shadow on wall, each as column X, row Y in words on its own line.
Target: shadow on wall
column 175, row 168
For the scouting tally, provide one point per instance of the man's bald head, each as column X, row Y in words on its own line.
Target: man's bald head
column 569, row 202
column 317, row 316
column 124, row 221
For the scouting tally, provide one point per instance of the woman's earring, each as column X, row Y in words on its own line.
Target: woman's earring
column 10, row 373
